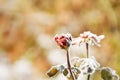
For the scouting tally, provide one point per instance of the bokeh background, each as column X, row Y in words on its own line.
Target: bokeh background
column 27, row 28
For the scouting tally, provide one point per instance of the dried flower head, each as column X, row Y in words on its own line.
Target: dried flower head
column 88, row 37
column 63, row 40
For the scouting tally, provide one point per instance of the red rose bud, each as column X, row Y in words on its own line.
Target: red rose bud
column 63, row 41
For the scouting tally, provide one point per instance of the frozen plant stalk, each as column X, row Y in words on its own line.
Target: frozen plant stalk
column 64, row 41
column 90, row 39
column 77, row 68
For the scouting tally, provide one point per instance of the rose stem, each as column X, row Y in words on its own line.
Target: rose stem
column 87, row 49
column 69, row 65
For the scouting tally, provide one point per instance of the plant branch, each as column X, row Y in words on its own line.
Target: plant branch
column 69, row 65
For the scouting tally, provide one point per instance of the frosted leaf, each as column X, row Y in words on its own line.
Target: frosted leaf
column 55, row 70
column 109, row 74
column 76, row 61
column 52, row 72
column 89, row 65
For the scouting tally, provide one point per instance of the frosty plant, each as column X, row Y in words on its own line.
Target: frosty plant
column 80, row 68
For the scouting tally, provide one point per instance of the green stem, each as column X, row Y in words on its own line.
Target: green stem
column 88, row 55
column 69, row 65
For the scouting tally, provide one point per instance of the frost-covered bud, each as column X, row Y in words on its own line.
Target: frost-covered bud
column 89, row 65
column 63, row 40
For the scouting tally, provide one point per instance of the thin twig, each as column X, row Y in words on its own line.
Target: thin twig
column 87, row 50
column 69, row 65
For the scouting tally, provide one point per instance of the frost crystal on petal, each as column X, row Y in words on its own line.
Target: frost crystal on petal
column 76, row 61
column 88, row 37
column 89, row 65
column 55, row 70
column 86, row 65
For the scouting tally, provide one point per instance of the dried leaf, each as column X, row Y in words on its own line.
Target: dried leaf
column 65, row 72
column 55, row 70
column 52, row 72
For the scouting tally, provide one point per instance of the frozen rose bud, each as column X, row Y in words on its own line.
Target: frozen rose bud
column 90, row 38
column 63, row 40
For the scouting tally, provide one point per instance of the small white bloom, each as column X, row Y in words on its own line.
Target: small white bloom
column 88, row 37
column 54, row 71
